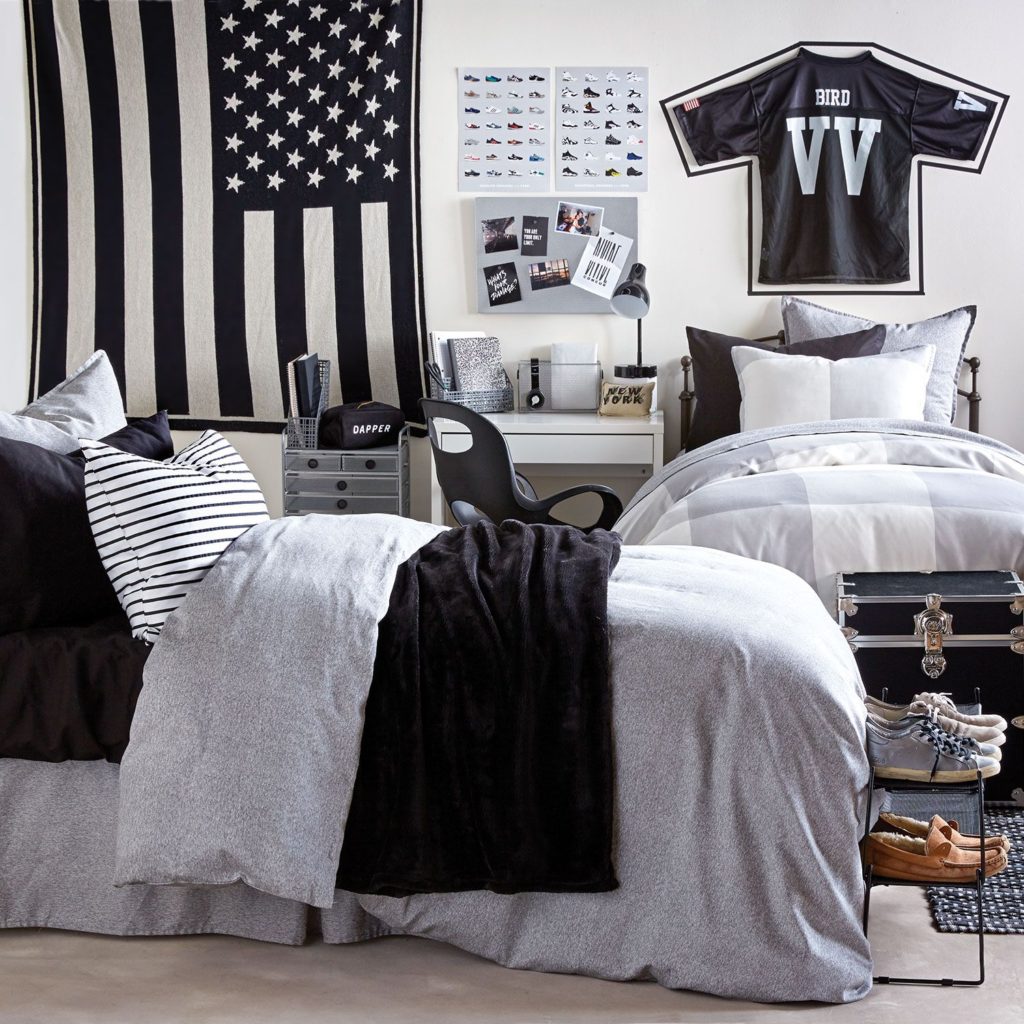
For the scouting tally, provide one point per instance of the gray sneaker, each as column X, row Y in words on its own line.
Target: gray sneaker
column 921, row 752
column 989, row 750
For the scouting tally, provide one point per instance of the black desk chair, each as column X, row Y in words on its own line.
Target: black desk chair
column 482, row 485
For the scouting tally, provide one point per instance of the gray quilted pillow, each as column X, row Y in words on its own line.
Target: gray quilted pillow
column 87, row 404
column 948, row 333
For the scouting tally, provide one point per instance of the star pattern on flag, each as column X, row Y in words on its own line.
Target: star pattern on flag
column 289, row 79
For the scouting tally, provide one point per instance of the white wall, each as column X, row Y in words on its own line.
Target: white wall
column 692, row 231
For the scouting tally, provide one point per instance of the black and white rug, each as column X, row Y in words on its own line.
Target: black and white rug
column 956, row 910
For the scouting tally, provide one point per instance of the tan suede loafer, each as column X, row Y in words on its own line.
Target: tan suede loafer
column 934, row 859
column 920, row 830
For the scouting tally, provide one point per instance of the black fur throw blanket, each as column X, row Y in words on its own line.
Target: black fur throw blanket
column 486, row 758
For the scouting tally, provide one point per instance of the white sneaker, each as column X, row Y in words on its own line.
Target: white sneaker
column 612, row 77
column 588, row 77
column 566, row 77
column 943, row 703
column 894, row 712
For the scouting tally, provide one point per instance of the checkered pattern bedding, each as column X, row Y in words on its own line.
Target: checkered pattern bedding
column 862, row 495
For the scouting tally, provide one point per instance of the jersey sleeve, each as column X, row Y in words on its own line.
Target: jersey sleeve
column 949, row 122
column 722, row 125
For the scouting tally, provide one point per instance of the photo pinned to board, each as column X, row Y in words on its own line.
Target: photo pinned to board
column 504, row 128
column 602, row 262
column 601, row 128
column 577, row 219
column 499, row 235
column 549, row 274
column 535, row 236
column 502, row 283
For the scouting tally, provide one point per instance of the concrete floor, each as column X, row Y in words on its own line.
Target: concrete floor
column 70, row 978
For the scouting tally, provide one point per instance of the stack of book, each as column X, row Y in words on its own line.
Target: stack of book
column 304, row 386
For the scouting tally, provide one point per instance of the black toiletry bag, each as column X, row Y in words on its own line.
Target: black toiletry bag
column 360, row 425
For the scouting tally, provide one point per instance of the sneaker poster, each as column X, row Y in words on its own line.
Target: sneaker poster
column 504, row 129
column 600, row 128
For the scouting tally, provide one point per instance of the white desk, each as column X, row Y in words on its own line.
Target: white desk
column 569, row 444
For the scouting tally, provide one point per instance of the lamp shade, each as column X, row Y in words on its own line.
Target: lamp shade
column 632, row 299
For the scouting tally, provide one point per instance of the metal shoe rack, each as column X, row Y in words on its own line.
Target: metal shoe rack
column 976, row 789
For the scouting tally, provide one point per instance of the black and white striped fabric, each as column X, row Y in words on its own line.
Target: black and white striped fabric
column 221, row 186
column 160, row 526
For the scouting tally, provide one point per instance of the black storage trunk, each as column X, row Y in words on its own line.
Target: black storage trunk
column 890, row 617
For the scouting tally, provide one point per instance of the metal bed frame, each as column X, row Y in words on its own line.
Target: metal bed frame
column 687, row 395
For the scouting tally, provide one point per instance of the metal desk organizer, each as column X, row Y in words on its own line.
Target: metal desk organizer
column 479, row 401
column 302, row 431
column 340, row 482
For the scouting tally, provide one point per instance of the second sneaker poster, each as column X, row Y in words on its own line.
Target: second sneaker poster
column 504, row 129
column 599, row 130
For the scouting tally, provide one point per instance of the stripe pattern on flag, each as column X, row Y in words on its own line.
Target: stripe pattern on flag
column 691, row 104
column 220, row 187
column 159, row 527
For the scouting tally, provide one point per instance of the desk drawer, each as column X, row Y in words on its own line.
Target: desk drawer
column 323, row 483
column 369, row 463
column 312, row 460
column 579, row 449
column 340, row 505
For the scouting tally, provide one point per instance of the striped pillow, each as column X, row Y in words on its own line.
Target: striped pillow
column 160, row 526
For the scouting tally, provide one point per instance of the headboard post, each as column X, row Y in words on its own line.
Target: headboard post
column 686, row 397
column 972, row 396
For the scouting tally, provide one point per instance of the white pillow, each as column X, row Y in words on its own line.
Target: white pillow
column 87, row 403
column 780, row 389
column 948, row 332
column 160, row 527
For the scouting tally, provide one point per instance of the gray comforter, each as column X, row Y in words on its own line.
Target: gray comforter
column 820, row 498
column 739, row 763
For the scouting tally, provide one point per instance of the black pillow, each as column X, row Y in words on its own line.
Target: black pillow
column 52, row 574
column 718, row 390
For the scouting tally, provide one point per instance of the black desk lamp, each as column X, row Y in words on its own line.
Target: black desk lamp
column 633, row 301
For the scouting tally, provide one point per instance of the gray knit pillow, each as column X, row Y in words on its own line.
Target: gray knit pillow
column 948, row 333
column 87, row 403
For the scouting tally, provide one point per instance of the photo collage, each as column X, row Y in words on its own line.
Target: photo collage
column 551, row 254
column 504, row 129
column 601, row 123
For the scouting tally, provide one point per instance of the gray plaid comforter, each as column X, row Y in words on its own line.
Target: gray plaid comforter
column 821, row 498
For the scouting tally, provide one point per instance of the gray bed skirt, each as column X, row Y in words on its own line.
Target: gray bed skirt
column 58, row 824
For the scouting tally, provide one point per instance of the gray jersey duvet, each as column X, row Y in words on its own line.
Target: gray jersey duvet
column 739, row 763
column 869, row 495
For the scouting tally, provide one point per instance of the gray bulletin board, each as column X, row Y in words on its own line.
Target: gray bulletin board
column 515, row 287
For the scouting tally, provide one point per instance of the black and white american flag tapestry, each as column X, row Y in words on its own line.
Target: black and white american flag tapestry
column 220, row 187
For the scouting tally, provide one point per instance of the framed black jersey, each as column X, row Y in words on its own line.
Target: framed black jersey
column 836, row 139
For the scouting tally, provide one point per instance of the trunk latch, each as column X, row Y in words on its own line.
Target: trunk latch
column 933, row 624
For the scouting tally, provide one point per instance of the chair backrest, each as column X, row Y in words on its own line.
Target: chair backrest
column 484, row 476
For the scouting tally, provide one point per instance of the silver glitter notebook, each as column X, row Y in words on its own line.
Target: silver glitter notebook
column 476, row 364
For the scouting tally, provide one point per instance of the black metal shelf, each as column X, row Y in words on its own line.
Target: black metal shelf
column 899, row 785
